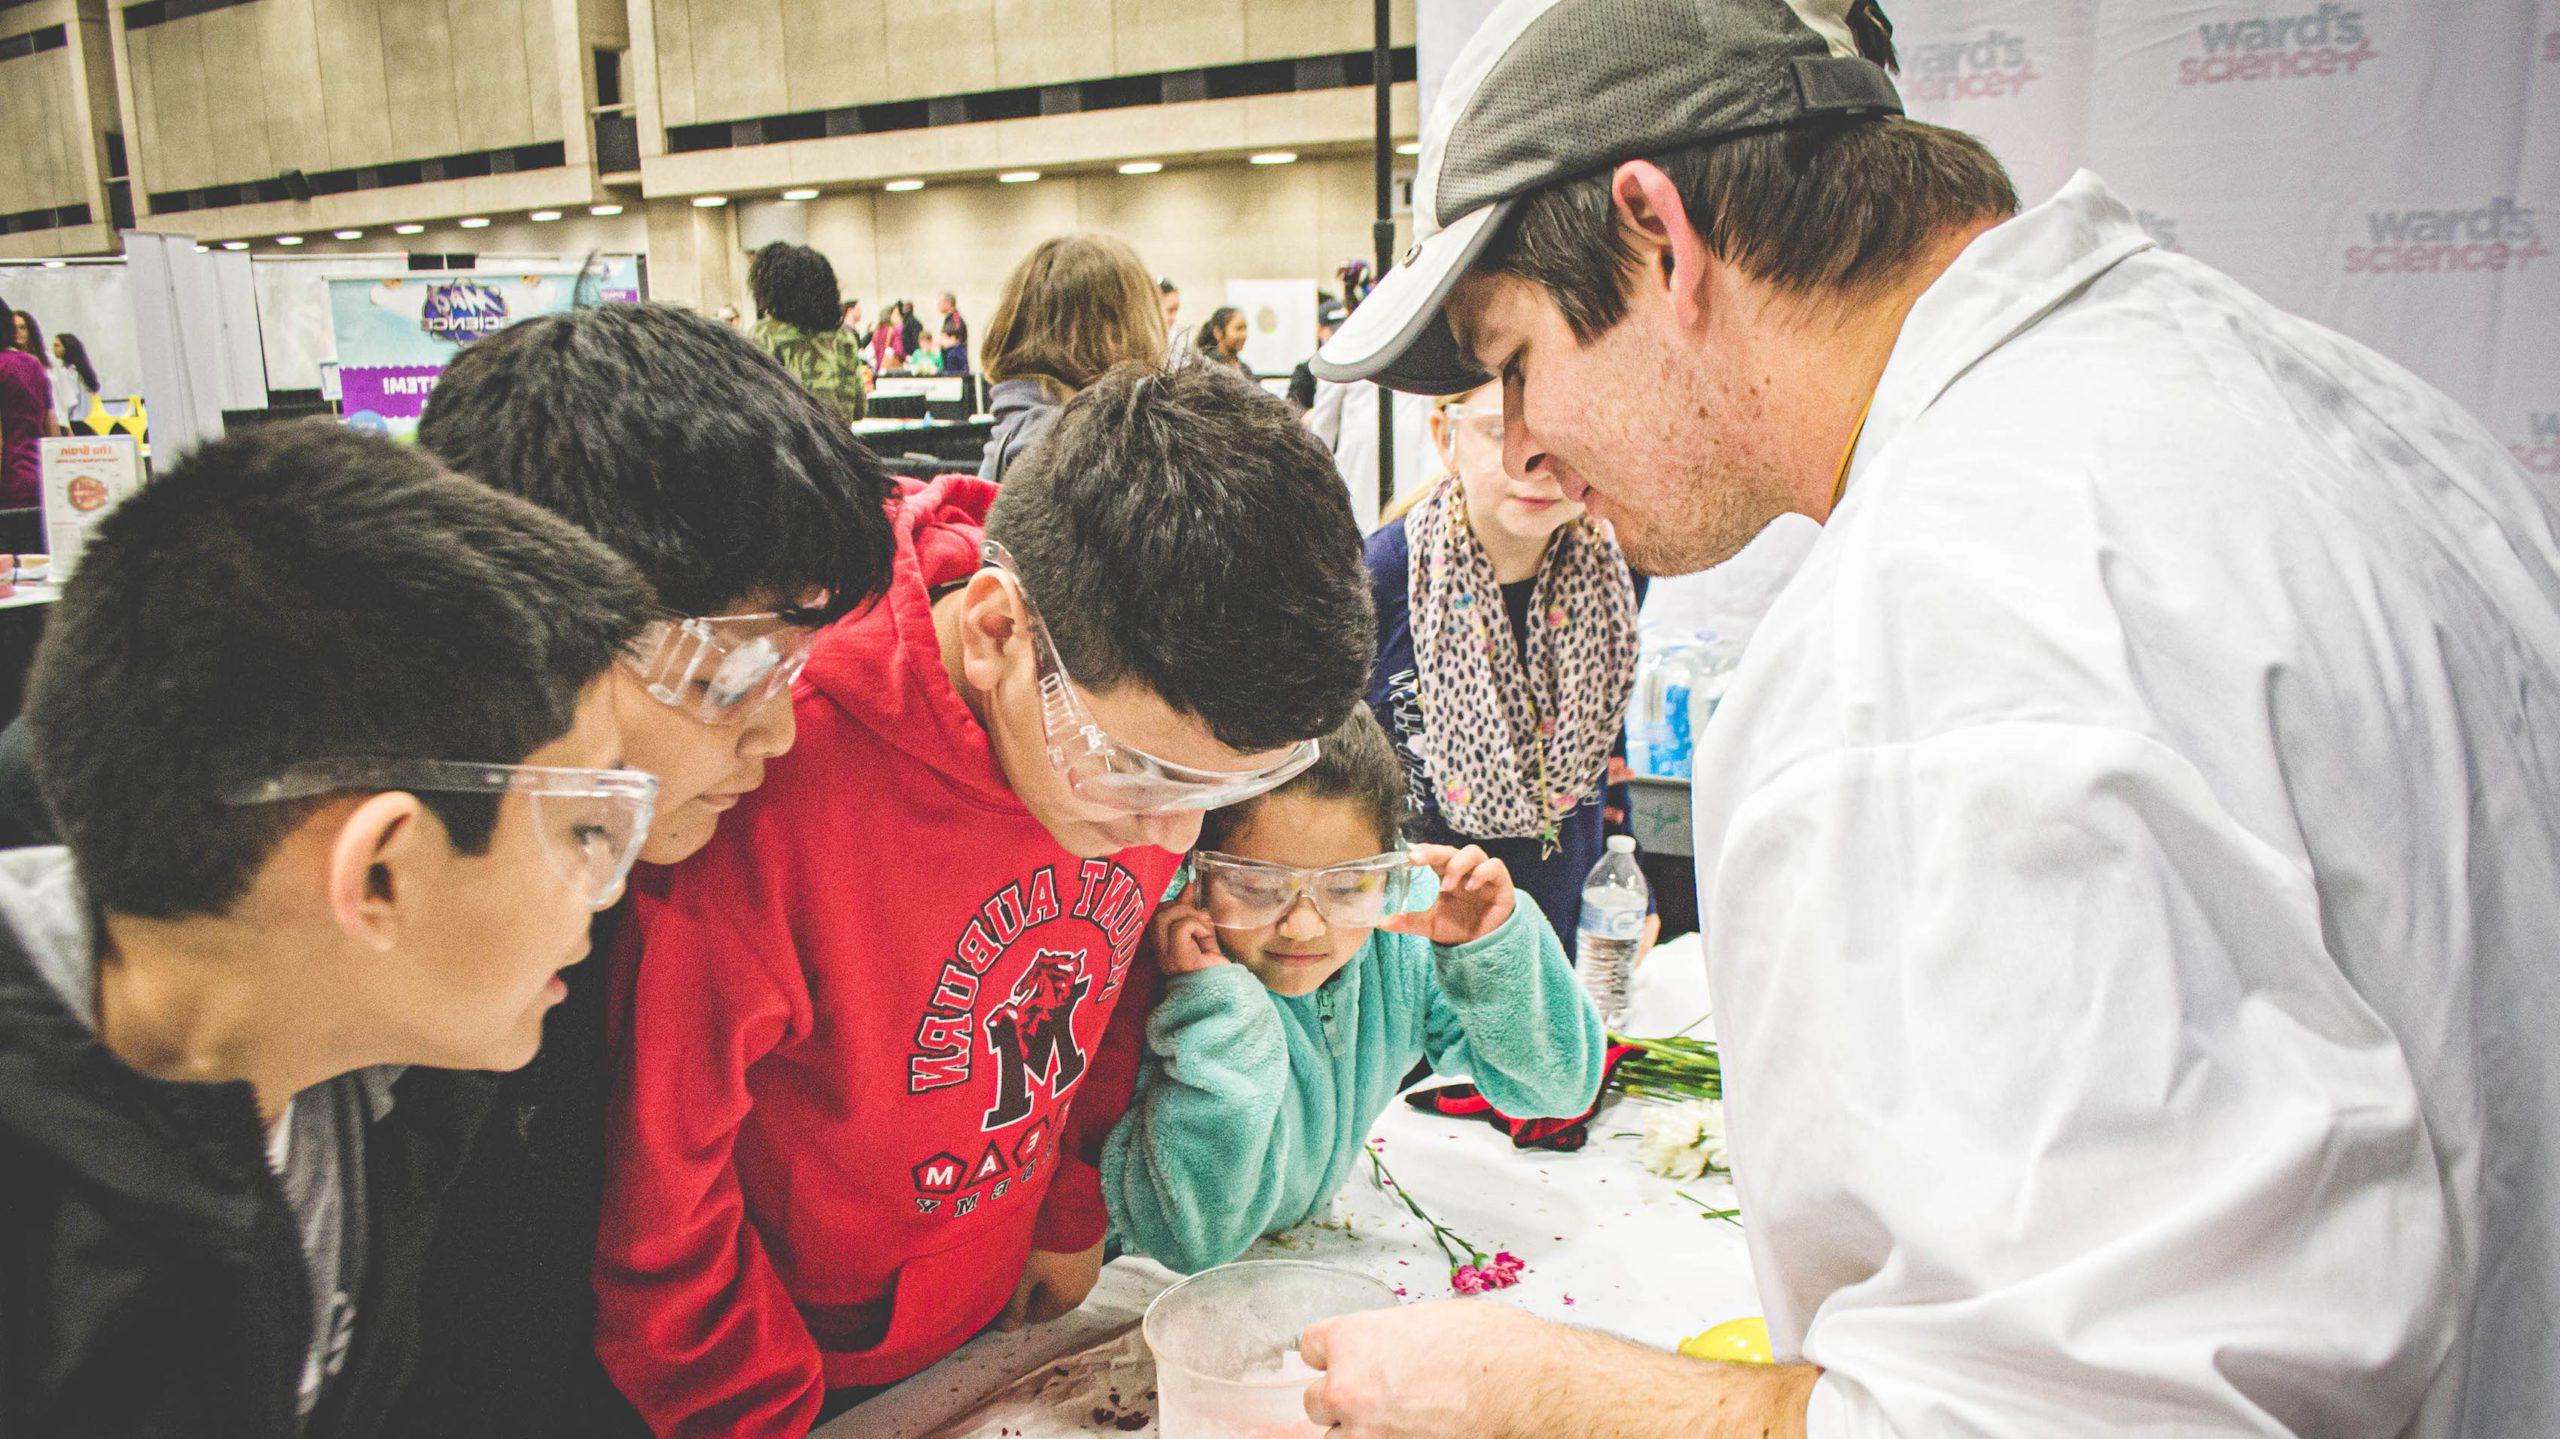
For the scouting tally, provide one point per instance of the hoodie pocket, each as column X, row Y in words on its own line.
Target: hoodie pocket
column 936, row 1302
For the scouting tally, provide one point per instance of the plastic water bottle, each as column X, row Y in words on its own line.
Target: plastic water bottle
column 1614, row 900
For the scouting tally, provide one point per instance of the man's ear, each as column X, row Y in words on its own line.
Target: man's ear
column 991, row 615
column 373, row 861
column 1670, row 250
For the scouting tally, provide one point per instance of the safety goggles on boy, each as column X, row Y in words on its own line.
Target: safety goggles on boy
column 1104, row 771
column 720, row 670
column 591, row 820
column 1243, row 893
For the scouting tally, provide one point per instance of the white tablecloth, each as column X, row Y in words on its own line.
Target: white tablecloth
column 1608, row 1245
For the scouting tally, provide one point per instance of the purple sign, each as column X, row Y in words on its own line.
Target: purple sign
column 395, row 392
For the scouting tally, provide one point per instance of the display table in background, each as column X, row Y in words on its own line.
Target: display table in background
column 1608, row 1244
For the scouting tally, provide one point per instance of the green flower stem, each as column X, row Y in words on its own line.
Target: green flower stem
column 1441, row 1234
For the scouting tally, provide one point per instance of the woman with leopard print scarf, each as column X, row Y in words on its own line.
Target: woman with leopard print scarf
column 1507, row 649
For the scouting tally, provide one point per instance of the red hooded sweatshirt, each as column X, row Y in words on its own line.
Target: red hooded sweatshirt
column 849, row 1038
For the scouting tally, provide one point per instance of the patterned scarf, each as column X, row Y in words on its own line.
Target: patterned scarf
column 1513, row 742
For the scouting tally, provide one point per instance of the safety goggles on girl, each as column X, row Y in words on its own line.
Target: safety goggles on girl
column 1241, row 893
column 720, row 670
column 1102, row 770
column 591, row 820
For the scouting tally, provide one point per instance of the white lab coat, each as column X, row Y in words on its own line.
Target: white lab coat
column 1345, row 417
column 2131, row 860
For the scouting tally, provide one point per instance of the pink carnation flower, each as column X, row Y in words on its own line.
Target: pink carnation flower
column 1468, row 1279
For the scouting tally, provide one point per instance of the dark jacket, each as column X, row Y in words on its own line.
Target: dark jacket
column 151, row 1279
column 1023, row 410
column 510, row 1318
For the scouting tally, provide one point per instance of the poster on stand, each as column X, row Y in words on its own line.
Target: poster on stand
column 395, row 334
column 1282, row 317
column 85, row 477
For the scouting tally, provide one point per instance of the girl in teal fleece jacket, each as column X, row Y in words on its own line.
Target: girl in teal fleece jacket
column 1308, row 965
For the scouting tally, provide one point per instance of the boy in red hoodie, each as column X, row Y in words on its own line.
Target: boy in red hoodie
column 868, row 1042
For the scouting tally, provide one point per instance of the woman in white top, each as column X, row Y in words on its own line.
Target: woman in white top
column 75, row 380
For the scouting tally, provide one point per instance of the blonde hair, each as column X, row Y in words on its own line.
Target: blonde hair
column 1075, row 307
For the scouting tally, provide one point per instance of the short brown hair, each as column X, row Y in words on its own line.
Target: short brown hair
column 1838, row 209
column 1355, row 763
column 1075, row 307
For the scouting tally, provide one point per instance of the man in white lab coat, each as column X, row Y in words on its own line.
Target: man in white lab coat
column 2130, row 853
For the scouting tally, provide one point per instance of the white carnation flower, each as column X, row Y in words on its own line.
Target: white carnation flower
column 1684, row 1141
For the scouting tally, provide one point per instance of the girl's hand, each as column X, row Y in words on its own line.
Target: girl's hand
column 1475, row 897
column 1183, row 939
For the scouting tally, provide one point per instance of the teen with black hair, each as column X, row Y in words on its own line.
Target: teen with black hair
column 324, row 728
column 800, row 321
column 864, row 1071
column 756, row 517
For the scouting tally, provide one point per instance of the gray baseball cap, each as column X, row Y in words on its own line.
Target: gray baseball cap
column 1550, row 90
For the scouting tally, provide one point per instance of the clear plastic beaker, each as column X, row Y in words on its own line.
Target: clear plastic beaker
column 1226, row 1346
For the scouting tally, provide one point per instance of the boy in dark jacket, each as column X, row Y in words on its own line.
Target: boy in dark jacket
column 756, row 517
column 322, row 727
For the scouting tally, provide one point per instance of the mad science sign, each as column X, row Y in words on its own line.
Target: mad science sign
column 395, row 335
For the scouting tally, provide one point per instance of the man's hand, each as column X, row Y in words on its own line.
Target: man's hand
column 1184, row 940
column 1478, row 1369
column 1052, row 1285
column 1475, row 897
column 1423, row 1371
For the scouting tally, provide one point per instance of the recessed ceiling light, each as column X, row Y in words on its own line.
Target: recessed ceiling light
column 473, row 222
column 799, row 194
column 58, row 264
column 408, row 229
column 1142, row 167
column 1017, row 177
column 903, row 186
column 288, row 239
column 604, row 209
column 709, row 202
column 235, row 244
column 1410, row 147
column 1276, row 157
column 204, row 249
column 543, row 217
column 348, row 234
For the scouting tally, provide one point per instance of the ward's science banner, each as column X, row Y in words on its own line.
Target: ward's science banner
column 2389, row 168
column 396, row 334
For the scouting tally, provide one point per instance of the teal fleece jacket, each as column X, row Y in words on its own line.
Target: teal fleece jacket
column 1251, row 1107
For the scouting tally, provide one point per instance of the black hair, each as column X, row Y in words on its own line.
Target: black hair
column 796, row 285
column 1183, row 532
column 301, row 592
column 76, row 355
column 1209, row 329
column 1357, row 765
column 1166, row 286
column 35, row 338
column 679, row 443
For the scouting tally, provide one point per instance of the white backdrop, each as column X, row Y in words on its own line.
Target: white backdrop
column 2390, row 168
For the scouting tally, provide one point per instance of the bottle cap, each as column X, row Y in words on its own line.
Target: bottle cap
column 1622, row 844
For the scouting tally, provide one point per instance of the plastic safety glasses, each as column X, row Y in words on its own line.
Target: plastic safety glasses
column 592, row 821
column 720, row 670
column 1104, row 771
column 1249, row 894
column 1479, row 423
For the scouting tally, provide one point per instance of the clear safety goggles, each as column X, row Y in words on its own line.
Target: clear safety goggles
column 1242, row 893
column 1102, row 770
column 591, row 821
column 720, row 670
column 1479, row 423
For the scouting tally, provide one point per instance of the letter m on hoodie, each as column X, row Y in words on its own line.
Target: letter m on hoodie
column 1033, row 1036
